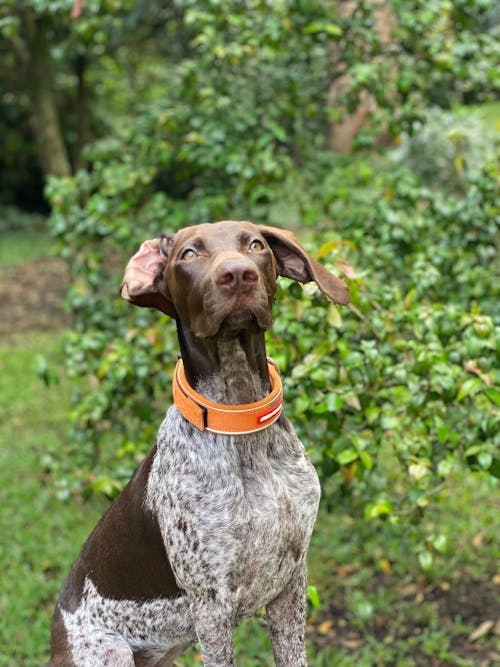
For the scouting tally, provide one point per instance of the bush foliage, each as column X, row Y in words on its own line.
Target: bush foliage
column 408, row 376
column 389, row 396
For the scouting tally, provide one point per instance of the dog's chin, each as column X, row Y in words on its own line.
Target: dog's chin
column 237, row 321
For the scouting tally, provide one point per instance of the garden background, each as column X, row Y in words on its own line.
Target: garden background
column 371, row 129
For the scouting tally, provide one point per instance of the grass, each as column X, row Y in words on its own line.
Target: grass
column 40, row 534
column 378, row 606
column 394, row 612
column 18, row 248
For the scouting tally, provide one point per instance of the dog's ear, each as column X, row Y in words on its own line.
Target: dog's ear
column 296, row 263
column 144, row 282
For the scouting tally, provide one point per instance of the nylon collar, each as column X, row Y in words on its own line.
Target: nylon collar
column 227, row 419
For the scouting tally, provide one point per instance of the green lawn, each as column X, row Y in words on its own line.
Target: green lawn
column 19, row 248
column 40, row 535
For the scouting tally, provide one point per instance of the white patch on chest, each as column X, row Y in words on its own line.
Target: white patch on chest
column 236, row 513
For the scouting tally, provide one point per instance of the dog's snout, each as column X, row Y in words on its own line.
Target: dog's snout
column 235, row 273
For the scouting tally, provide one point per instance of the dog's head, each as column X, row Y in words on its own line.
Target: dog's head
column 222, row 276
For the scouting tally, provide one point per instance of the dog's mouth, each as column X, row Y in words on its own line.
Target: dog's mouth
column 235, row 315
column 240, row 320
column 243, row 319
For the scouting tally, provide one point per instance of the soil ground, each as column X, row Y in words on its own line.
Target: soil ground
column 460, row 603
column 32, row 296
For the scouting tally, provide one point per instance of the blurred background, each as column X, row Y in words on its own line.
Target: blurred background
column 371, row 129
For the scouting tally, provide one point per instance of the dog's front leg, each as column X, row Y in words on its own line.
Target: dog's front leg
column 286, row 618
column 214, row 628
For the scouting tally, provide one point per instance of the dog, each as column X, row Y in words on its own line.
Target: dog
column 215, row 523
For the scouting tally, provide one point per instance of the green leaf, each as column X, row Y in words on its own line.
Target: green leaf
column 372, row 413
column 468, row 388
column 493, row 394
column 107, row 486
column 333, row 316
column 352, row 401
column 331, row 29
column 319, row 377
column 313, row 595
column 326, row 249
column 320, row 408
column 347, row 456
column 42, row 369
column 9, row 26
column 277, row 130
column 381, row 507
column 494, row 469
column 440, row 542
column 446, row 432
column 334, row 402
column 390, row 422
column 446, row 466
column 426, row 560
column 366, row 460
column 353, row 360
column 485, row 459
column 301, row 404
column 418, row 470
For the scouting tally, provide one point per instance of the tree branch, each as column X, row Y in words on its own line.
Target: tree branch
column 20, row 48
column 76, row 12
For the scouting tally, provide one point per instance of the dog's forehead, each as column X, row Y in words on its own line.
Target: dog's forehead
column 225, row 234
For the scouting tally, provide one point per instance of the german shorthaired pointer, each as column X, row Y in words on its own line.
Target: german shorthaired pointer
column 215, row 523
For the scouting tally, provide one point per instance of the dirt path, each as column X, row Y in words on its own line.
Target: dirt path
column 32, row 296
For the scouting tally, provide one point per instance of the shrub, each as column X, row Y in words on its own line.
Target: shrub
column 404, row 388
column 393, row 395
column 446, row 147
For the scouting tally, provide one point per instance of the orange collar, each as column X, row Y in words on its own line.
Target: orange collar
column 228, row 419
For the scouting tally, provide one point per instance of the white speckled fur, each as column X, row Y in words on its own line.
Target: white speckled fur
column 104, row 632
column 236, row 515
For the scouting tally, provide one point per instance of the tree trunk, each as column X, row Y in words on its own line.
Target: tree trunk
column 343, row 133
column 44, row 115
column 80, row 66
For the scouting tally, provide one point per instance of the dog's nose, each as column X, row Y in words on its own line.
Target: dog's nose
column 236, row 273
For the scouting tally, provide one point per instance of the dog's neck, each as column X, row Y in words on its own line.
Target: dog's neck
column 227, row 368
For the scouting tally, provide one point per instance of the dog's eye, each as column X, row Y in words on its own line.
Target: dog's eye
column 256, row 246
column 189, row 253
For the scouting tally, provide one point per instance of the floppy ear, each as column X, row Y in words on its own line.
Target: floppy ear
column 144, row 281
column 296, row 263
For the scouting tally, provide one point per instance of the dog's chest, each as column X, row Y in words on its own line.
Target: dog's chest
column 236, row 516
column 280, row 510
